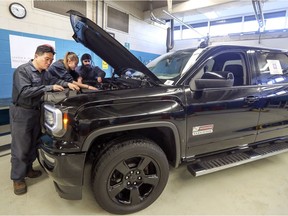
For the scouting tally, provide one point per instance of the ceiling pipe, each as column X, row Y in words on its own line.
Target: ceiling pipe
column 259, row 17
column 170, row 36
column 157, row 20
column 169, row 5
column 153, row 17
column 205, row 39
column 259, row 14
column 180, row 21
column 103, row 15
column 96, row 11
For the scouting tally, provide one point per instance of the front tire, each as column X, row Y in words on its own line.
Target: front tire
column 130, row 176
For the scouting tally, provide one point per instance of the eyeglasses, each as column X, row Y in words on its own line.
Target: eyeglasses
column 86, row 60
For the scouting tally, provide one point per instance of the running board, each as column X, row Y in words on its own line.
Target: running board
column 222, row 161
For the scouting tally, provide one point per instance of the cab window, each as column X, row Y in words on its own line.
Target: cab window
column 231, row 62
column 272, row 68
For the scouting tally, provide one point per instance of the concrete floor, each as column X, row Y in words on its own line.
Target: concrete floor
column 257, row 188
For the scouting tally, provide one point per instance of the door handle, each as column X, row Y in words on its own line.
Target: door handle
column 251, row 99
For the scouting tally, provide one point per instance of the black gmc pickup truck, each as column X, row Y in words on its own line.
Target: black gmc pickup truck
column 208, row 108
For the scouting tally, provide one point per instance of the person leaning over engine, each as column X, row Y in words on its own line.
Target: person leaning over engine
column 64, row 69
column 29, row 86
column 89, row 74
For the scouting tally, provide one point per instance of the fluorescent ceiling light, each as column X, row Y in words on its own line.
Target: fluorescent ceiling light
column 211, row 15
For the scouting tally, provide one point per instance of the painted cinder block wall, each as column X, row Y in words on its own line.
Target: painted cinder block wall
column 146, row 41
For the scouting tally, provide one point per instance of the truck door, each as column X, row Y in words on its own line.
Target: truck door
column 222, row 117
column 272, row 78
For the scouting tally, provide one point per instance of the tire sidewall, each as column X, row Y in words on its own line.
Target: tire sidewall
column 107, row 163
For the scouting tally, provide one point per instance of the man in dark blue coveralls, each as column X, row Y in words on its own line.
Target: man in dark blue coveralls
column 28, row 88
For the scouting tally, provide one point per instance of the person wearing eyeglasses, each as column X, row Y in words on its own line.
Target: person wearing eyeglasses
column 88, row 73
column 64, row 69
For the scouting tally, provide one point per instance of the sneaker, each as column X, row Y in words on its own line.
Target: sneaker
column 34, row 173
column 20, row 187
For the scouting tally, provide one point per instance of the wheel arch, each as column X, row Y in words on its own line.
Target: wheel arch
column 138, row 128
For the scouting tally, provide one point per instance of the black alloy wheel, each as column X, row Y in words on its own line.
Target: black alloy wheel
column 130, row 176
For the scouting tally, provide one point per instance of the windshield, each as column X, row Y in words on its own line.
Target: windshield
column 170, row 66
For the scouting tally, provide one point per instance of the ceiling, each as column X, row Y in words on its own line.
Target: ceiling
column 190, row 11
column 159, row 4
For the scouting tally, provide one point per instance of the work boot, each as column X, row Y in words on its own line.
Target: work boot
column 20, row 187
column 33, row 173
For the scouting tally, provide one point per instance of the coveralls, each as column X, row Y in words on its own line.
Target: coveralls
column 58, row 71
column 28, row 88
column 90, row 74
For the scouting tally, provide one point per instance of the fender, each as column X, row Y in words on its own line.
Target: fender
column 96, row 133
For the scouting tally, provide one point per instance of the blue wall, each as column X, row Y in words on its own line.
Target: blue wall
column 62, row 46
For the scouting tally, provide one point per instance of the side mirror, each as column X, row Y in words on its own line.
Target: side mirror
column 215, row 80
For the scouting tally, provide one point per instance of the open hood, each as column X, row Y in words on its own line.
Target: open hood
column 105, row 46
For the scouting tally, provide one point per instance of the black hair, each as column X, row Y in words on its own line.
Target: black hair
column 86, row 56
column 45, row 48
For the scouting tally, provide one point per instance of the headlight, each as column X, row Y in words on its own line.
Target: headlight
column 49, row 117
column 53, row 120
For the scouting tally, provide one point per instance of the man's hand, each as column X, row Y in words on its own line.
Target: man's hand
column 58, row 88
column 73, row 86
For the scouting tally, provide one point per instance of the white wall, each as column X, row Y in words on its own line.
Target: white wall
column 36, row 21
column 142, row 36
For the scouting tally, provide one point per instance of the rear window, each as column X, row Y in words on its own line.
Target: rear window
column 273, row 68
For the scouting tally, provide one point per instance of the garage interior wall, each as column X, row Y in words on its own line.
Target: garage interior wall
column 144, row 40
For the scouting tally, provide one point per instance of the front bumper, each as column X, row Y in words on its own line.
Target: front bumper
column 66, row 170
